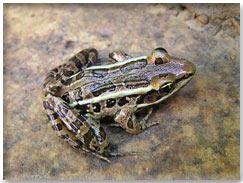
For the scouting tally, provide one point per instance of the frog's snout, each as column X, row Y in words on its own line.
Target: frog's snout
column 189, row 67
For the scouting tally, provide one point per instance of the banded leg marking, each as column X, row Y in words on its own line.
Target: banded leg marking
column 82, row 132
column 62, row 75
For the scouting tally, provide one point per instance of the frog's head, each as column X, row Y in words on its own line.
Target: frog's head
column 169, row 75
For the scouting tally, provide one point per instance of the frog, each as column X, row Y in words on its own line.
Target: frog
column 87, row 88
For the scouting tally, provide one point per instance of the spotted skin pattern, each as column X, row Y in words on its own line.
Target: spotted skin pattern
column 80, row 131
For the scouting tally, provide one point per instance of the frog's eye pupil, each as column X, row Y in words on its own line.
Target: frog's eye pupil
column 158, row 61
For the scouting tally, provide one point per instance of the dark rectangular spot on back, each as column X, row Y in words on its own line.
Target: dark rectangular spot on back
column 122, row 101
column 133, row 82
column 100, row 88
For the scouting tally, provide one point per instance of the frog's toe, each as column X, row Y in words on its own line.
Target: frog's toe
column 122, row 154
column 119, row 56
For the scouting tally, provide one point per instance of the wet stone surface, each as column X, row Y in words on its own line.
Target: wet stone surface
column 200, row 134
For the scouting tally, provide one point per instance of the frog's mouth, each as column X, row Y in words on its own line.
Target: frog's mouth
column 181, row 82
column 186, row 77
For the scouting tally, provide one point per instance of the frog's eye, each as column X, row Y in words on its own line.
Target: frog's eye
column 158, row 56
column 167, row 88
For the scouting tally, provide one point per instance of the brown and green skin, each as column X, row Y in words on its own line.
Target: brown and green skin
column 78, row 95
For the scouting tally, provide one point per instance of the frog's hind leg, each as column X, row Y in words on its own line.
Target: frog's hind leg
column 62, row 132
column 66, row 73
column 58, row 126
column 79, row 131
column 119, row 56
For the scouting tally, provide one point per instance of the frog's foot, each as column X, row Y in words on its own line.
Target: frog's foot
column 147, row 124
column 115, row 154
column 105, row 158
column 119, row 56
column 152, row 123
column 99, row 156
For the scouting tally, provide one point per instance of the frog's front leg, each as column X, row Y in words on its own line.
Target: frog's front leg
column 119, row 56
column 127, row 119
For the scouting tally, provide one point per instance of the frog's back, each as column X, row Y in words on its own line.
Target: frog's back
column 98, row 81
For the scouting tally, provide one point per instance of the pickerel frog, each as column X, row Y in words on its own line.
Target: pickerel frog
column 81, row 92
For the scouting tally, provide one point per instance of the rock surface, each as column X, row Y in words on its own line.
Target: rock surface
column 200, row 134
